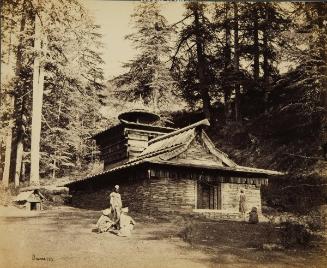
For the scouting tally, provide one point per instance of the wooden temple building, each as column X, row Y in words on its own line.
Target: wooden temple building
column 165, row 169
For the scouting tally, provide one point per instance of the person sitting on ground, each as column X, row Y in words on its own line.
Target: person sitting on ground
column 126, row 223
column 253, row 216
column 106, row 221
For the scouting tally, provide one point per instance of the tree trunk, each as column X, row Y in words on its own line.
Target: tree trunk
column 38, row 80
column 8, row 140
column 20, row 132
column 14, row 146
column 201, row 64
column 93, row 146
column 19, row 159
column 266, row 74
column 256, row 52
column 23, row 172
column 54, row 167
column 6, row 170
column 56, row 142
column 227, row 65
column 19, row 105
column 155, row 91
column 236, row 65
column 321, row 11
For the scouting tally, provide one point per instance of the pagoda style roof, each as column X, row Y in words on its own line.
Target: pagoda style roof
column 133, row 125
column 189, row 147
column 139, row 115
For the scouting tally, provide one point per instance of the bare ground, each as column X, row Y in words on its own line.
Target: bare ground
column 63, row 237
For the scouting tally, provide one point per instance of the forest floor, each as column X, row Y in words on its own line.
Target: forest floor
column 65, row 237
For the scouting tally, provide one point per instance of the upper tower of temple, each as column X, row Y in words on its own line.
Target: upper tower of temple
column 126, row 140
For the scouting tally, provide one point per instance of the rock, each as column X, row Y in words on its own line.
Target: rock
column 275, row 220
column 272, row 246
column 56, row 195
column 283, row 218
column 55, row 189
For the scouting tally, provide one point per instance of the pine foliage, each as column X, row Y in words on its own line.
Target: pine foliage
column 148, row 74
column 73, row 79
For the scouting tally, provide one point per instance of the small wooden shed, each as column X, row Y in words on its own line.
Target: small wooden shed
column 31, row 200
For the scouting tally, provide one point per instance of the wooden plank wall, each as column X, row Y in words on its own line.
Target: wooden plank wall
column 114, row 150
column 124, row 145
column 199, row 175
column 138, row 140
column 197, row 151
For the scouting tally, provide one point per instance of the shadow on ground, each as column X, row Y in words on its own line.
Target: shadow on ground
column 243, row 243
column 67, row 236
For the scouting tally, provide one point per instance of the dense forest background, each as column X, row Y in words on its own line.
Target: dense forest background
column 257, row 71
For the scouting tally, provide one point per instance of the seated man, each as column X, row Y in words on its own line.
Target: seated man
column 253, row 216
column 106, row 221
column 126, row 223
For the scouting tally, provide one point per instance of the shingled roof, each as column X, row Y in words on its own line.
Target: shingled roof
column 126, row 124
column 30, row 196
column 165, row 150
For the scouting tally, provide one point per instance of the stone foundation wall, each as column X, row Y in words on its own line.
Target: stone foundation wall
column 163, row 194
column 167, row 194
column 231, row 194
column 218, row 214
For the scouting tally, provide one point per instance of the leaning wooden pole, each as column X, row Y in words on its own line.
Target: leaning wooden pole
column 38, row 80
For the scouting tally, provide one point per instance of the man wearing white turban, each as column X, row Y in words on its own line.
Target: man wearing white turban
column 116, row 203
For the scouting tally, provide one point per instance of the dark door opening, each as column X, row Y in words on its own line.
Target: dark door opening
column 33, row 206
column 208, row 196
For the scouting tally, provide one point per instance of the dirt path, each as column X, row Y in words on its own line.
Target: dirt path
column 63, row 237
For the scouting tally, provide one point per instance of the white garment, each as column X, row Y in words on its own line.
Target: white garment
column 126, row 225
column 115, row 200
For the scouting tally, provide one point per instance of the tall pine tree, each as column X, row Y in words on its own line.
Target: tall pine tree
column 148, row 74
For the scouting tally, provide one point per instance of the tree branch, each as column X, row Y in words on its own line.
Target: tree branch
column 303, row 156
column 179, row 47
column 36, row 12
column 46, row 123
column 304, row 184
column 173, row 25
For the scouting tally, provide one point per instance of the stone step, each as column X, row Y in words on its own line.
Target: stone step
column 225, row 215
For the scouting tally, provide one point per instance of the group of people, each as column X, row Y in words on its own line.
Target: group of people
column 115, row 219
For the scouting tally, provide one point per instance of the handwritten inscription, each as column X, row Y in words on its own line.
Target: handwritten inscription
column 37, row 258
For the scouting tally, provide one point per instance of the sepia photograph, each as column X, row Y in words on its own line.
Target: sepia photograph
column 169, row 134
